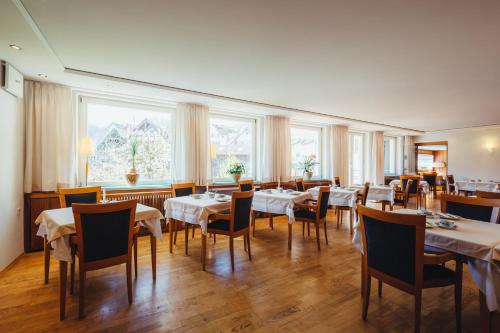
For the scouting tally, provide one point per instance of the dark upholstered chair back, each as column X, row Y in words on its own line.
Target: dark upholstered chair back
column 105, row 230
column 240, row 210
column 337, row 181
column 299, row 185
column 430, row 178
column 324, row 195
column 246, row 185
column 391, row 242
column 182, row 190
column 450, row 179
column 87, row 195
column 366, row 189
column 88, row 198
column 413, row 185
column 479, row 209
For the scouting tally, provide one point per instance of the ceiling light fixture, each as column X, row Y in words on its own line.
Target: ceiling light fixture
column 15, row 47
column 42, row 76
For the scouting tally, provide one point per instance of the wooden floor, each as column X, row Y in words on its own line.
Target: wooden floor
column 279, row 291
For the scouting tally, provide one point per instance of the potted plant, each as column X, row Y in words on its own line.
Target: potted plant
column 132, row 175
column 235, row 170
column 308, row 165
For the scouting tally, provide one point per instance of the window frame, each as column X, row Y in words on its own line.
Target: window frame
column 362, row 135
column 320, row 154
column 393, row 156
column 254, row 122
column 82, row 121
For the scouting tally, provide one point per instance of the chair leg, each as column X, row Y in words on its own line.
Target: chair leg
column 170, row 232
column 72, row 273
column 326, row 234
column 248, row 245
column 152, row 241
column 81, row 293
column 308, row 229
column 245, row 242
column 289, row 236
column 215, row 238
column 418, row 309
column 303, row 229
column 176, row 227
column 458, row 294
column 317, row 235
column 63, row 276
column 46, row 257
column 351, row 217
column 231, row 251
column 186, row 236
column 254, row 215
column 338, row 219
column 129, row 281
column 366, row 295
column 192, row 236
column 203, row 250
column 379, row 288
column 383, row 206
column 135, row 256
column 271, row 222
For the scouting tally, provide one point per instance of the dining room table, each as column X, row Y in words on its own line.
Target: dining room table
column 59, row 224
column 378, row 193
column 473, row 186
column 478, row 241
column 279, row 202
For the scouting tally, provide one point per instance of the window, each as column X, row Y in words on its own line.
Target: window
column 425, row 161
column 113, row 126
column 232, row 140
column 390, row 156
column 356, row 165
column 306, row 143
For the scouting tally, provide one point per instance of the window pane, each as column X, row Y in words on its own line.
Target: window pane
column 356, row 158
column 306, row 142
column 425, row 162
column 231, row 140
column 113, row 128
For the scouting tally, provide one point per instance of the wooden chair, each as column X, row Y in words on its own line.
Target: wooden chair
column 314, row 213
column 182, row 190
column 104, row 238
column 450, row 184
column 336, row 180
column 234, row 224
column 389, row 258
column 246, row 185
column 488, row 195
column 299, row 184
column 414, row 188
column 480, row 209
column 68, row 196
column 401, row 197
column 431, row 179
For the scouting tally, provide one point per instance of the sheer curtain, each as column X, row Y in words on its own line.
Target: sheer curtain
column 409, row 152
column 277, row 148
column 50, row 137
column 191, row 144
column 378, row 157
column 339, row 150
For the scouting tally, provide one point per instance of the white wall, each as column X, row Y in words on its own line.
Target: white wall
column 468, row 154
column 11, row 173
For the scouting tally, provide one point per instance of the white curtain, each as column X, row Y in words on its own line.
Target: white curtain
column 191, row 144
column 378, row 157
column 409, row 152
column 400, row 145
column 277, row 148
column 50, row 137
column 339, row 151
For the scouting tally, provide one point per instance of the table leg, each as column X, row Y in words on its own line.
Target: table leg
column 203, row 250
column 350, row 220
column 153, row 255
column 63, row 276
column 170, row 232
column 186, row 232
column 289, row 236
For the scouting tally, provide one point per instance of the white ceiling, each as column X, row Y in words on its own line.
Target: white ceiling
column 425, row 65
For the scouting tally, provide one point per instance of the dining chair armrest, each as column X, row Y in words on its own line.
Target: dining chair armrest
column 437, row 259
column 306, row 206
column 219, row 216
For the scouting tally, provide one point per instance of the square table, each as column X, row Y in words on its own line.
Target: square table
column 279, row 202
column 193, row 211
column 383, row 193
column 476, row 186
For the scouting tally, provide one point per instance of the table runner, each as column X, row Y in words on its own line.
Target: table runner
column 59, row 224
column 194, row 211
column 276, row 202
column 479, row 241
column 338, row 196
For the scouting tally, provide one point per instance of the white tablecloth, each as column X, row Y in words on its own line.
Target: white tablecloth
column 59, row 224
column 476, row 186
column 338, row 196
column 479, row 241
column 278, row 203
column 378, row 192
column 424, row 185
column 194, row 211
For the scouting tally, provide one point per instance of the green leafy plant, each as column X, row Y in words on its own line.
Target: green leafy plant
column 235, row 168
column 309, row 162
column 134, row 148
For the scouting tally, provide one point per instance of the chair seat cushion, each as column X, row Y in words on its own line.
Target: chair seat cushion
column 305, row 213
column 222, row 225
column 437, row 272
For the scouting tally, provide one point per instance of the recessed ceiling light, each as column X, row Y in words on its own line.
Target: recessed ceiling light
column 42, row 76
column 15, row 47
